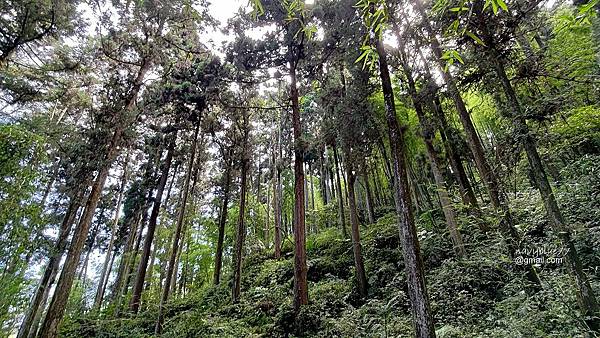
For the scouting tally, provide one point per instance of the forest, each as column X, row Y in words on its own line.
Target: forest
column 299, row 168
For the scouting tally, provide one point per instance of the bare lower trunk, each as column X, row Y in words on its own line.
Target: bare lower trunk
column 171, row 269
column 445, row 201
column 109, row 249
column 222, row 222
column 340, row 200
column 417, row 291
column 50, row 272
column 322, row 179
column 56, row 309
column 585, row 294
column 354, row 223
column 143, row 265
column 454, row 158
column 300, row 268
column 509, row 232
column 434, row 161
column 277, row 212
column 240, row 238
column 369, row 196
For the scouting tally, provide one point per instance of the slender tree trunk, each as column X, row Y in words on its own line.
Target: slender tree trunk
column 454, row 158
column 585, row 294
column 300, row 268
column 138, row 287
column 306, row 192
column 268, row 215
column 240, row 233
column 356, row 246
column 56, row 309
column 174, row 249
column 86, row 261
column 415, row 274
column 51, row 271
column 241, row 225
column 490, row 180
column 312, row 188
column 150, row 270
column 369, row 196
column 133, row 223
column 340, row 200
column 455, row 161
column 222, row 222
column 277, row 210
column 323, row 179
column 434, row 161
column 113, row 232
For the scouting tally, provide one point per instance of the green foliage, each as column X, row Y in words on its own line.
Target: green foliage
column 22, row 158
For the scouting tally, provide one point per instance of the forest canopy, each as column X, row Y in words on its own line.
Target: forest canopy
column 299, row 168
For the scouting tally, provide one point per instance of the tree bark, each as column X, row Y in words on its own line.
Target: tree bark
column 454, row 158
column 585, row 294
column 51, row 271
column 369, row 195
column 174, row 249
column 490, row 180
column 222, row 221
column 56, row 309
column 340, row 200
column 300, row 268
column 241, row 224
column 138, row 287
column 415, row 274
column 109, row 249
column 354, row 223
column 323, row 179
column 277, row 209
column 434, row 161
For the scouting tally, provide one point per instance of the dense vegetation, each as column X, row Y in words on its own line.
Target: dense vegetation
column 336, row 168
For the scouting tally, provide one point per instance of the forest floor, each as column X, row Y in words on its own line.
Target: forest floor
column 482, row 295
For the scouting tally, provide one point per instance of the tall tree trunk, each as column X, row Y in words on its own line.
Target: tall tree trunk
column 449, row 141
column 323, row 179
column 222, row 221
column 267, row 228
column 585, row 294
column 415, row 274
column 356, row 246
column 51, row 271
column 490, row 180
column 150, row 271
column 86, row 261
column 277, row 209
column 434, row 161
column 57, row 306
column 138, row 287
column 340, row 200
column 113, row 232
column 369, row 195
column 454, row 158
column 133, row 224
column 240, row 236
column 300, row 268
column 332, row 177
column 174, row 248
column 312, row 187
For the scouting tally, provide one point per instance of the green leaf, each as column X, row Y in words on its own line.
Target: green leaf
column 475, row 37
column 494, row 7
column 257, row 8
column 502, row 5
